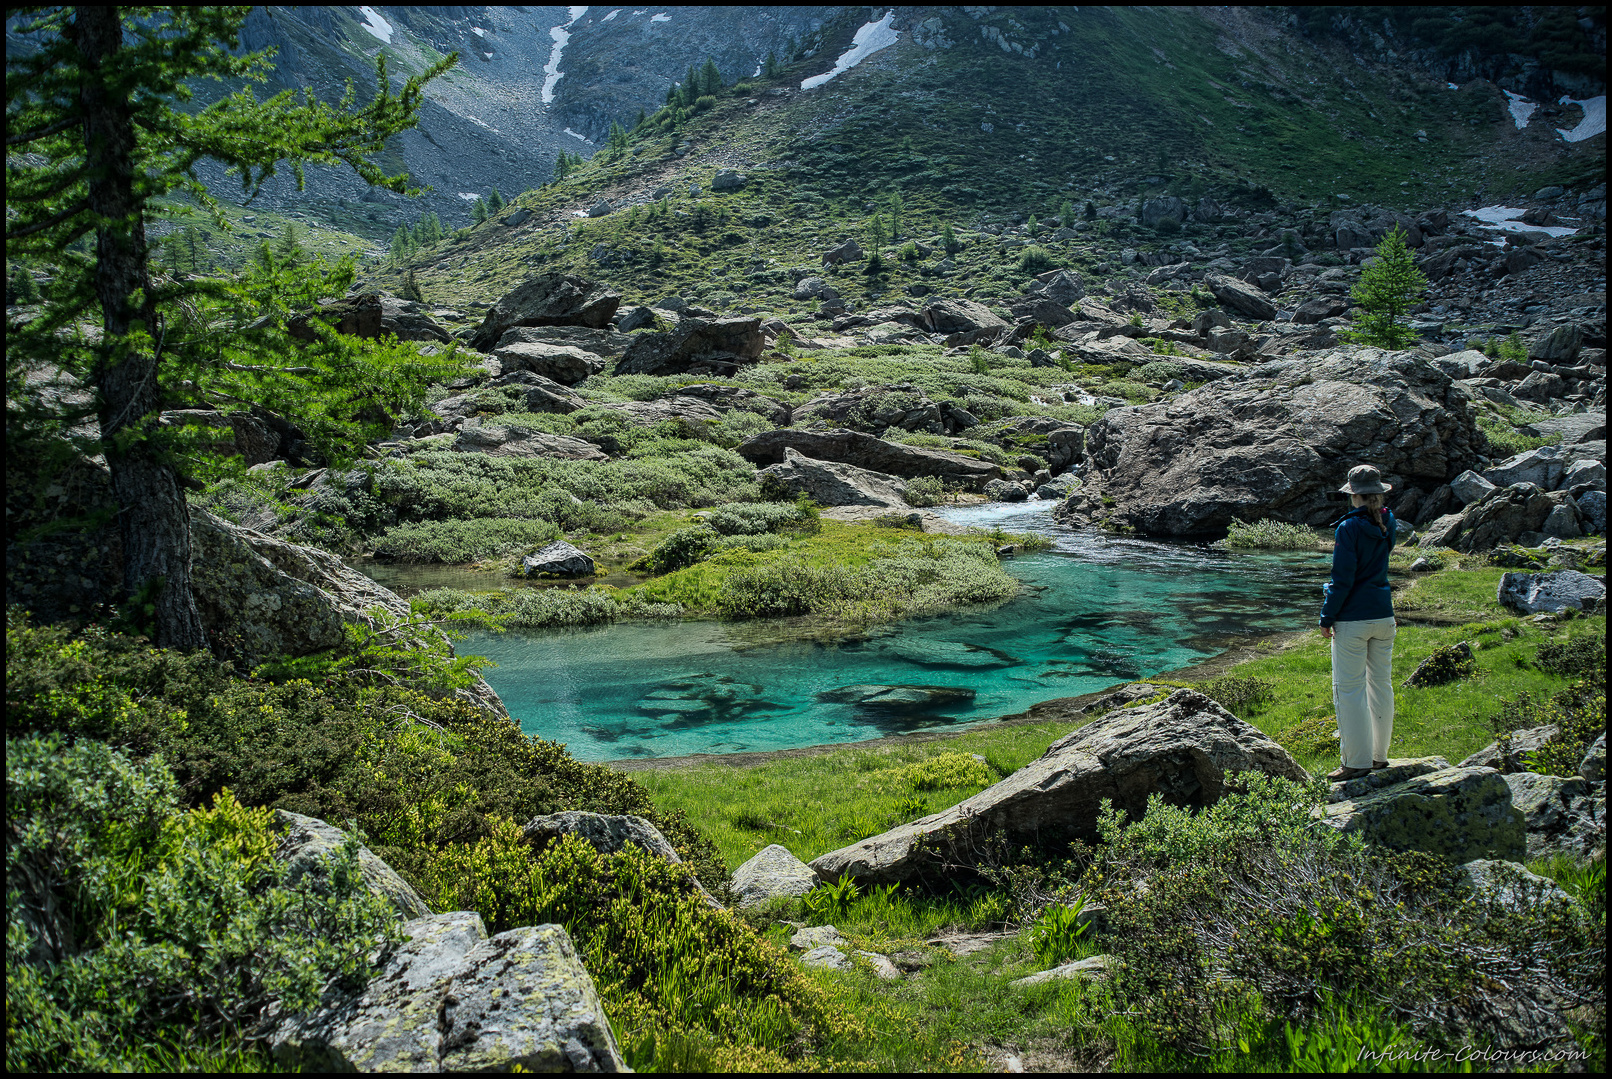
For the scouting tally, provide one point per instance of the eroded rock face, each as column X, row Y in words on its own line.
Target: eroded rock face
column 960, row 316
column 1240, row 297
column 1275, row 443
column 547, row 300
column 605, row 342
column 696, row 345
column 1181, row 748
column 835, row 483
column 771, row 873
column 866, row 451
column 452, row 1000
column 1514, row 757
column 306, row 842
column 1458, row 813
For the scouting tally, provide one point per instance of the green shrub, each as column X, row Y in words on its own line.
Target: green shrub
column 925, row 491
column 1448, row 663
column 1504, row 440
column 750, row 518
column 1579, row 713
column 704, row 102
column 947, row 770
column 1167, row 226
column 679, row 550
column 1158, row 371
column 1272, row 535
column 1580, row 655
column 540, row 608
column 1236, row 692
column 1036, row 259
column 462, row 541
column 1227, row 923
column 767, row 541
column 156, row 931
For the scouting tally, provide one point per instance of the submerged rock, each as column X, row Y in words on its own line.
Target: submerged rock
column 897, row 698
column 1182, row 748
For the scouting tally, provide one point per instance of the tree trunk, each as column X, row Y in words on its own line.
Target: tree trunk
column 152, row 517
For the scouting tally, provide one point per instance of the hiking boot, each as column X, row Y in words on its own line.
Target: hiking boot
column 1343, row 775
column 1377, row 766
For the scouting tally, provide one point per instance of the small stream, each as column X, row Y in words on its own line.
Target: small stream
column 1094, row 610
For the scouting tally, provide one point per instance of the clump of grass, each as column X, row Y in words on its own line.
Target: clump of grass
column 1446, row 664
column 1272, row 535
column 540, row 608
column 1311, row 737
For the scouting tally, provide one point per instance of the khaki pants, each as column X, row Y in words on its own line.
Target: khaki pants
column 1363, row 689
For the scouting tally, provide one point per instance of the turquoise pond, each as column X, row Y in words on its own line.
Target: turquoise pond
column 1093, row 611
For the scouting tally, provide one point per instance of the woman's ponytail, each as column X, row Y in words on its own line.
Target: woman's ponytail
column 1373, row 504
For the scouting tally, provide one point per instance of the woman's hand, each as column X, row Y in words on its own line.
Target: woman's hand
column 1326, row 631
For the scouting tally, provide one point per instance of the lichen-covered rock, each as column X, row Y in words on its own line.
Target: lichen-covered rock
column 826, row 957
column 1514, row 757
column 1458, row 813
column 771, row 873
column 1502, row 516
column 1511, row 884
column 1561, row 590
column 1397, row 772
column 1005, row 491
column 1562, row 815
column 306, row 843
column 560, row 558
column 834, row 483
column 715, row 346
column 608, row 833
column 1593, row 767
column 547, row 300
column 804, row 940
column 499, row 441
column 1274, row 443
column 1181, row 748
column 452, row 1000
column 565, row 364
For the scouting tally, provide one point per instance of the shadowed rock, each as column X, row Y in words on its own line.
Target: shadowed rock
column 866, row 451
column 1240, row 297
column 547, row 300
column 605, row 342
column 306, row 843
column 1182, row 748
column 565, row 364
column 696, row 345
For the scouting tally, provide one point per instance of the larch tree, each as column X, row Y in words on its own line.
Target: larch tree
column 1387, row 288
column 97, row 142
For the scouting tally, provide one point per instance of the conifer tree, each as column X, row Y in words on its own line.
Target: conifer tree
column 398, row 252
column 897, row 207
column 1385, row 292
column 562, row 165
column 410, row 289
column 96, row 102
column 691, row 86
column 1090, row 212
column 495, row 202
column 948, row 239
column 710, row 78
column 478, row 210
column 24, row 286
column 1032, row 226
column 770, row 68
column 1066, row 214
column 289, row 248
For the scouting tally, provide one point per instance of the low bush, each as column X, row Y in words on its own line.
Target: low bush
column 1228, row 924
column 1504, row 440
column 925, row 491
column 1237, row 692
column 1272, row 535
column 946, row 770
column 137, row 930
column 1158, row 371
column 1036, row 259
column 540, row 608
column 751, row 518
column 1581, row 656
column 462, row 541
column 679, row 550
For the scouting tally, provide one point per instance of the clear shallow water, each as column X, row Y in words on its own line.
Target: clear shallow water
column 1094, row 611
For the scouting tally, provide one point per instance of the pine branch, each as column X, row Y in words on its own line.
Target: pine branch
column 50, row 222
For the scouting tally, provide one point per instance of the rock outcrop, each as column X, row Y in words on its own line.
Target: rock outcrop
column 605, row 342
column 1561, row 590
column 559, row 558
column 834, row 483
column 717, row 346
column 451, row 999
column 1457, row 813
column 607, row 833
column 307, row 842
column 519, row 442
column 565, row 364
column 866, row 451
column 1275, row 443
column 547, row 300
column 1513, row 757
column 371, row 315
column 1182, row 748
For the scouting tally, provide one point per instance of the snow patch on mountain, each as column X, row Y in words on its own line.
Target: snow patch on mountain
column 869, row 39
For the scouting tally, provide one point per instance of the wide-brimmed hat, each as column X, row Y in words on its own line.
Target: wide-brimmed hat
column 1365, row 480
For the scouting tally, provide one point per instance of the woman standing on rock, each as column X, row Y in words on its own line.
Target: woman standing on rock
column 1357, row 615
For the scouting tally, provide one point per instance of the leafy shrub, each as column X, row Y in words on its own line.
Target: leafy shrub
column 1228, row 922
column 1504, row 440
column 1272, row 535
column 704, row 102
column 1579, row 713
column 1310, row 737
column 1580, row 655
column 1036, row 259
column 831, row 900
column 767, row 541
column 462, row 541
column 1167, row 226
column 750, row 518
column 132, row 925
column 1158, row 371
column 1447, row 664
column 679, row 550
column 1235, row 692
column 946, row 770
column 925, row 491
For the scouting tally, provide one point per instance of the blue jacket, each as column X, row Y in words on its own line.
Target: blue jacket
column 1359, row 589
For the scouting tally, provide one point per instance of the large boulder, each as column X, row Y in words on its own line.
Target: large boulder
column 1164, row 208
column 876, row 409
column 1275, row 443
column 866, row 451
column 1240, row 297
column 452, row 1000
column 696, row 345
column 559, row 558
column 1562, row 815
column 1502, row 516
column 565, row 364
column 734, row 397
column 371, row 315
column 307, row 843
column 540, row 394
column 1560, row 590
column 771, row 874
column 1513, row 757
column 960, row 316
column 607, row 833
column 834, row 483
column 605, row 342
column 1059, row 286
column 1182, row 748
column 1543, row 467
column 519, row 442
column 1457, row 813
column 547, row 300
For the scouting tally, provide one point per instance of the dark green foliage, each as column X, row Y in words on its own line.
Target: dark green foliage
column 151, row 928
column 1237, row 693
column 495, row 202
column 682, row 548
column 410, row 289
column 1385, row 293
column 1447, row 664
column 288, row 249
column 752, row 518
column 1032, row 226
column 1167, row 226
column 948, row 239
column 1581, row 655
column 1036, row 259
column 461, row 540
column 23, row 286
column 1252, row 917
column 1089, row 212
column 478, row 210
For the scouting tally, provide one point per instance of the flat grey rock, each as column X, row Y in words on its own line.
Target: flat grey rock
column 1560, row 590
column 1397, row 772
column 825, row 957
column 1089, row 970
column 804, row 940
column 883, row 969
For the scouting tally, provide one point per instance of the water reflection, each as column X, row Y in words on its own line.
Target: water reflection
column 1094, row 610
